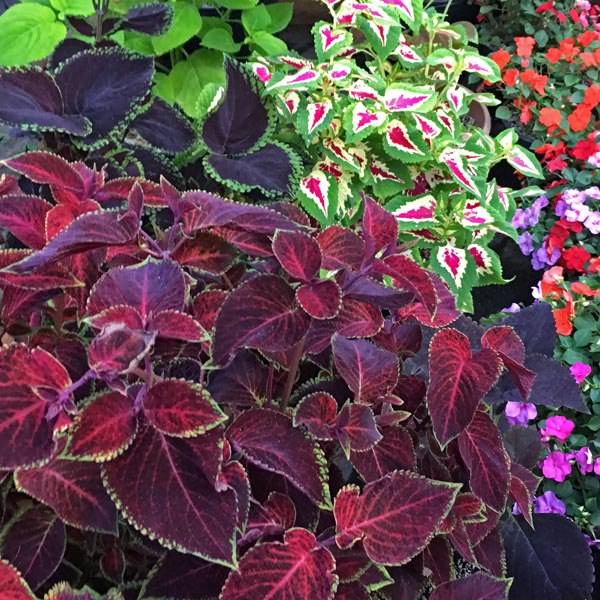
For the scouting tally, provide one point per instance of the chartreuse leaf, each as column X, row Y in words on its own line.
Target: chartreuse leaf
column 79, row 8
column 280, row 14
column 185, row 24
column 269, row 44
column 220, row 39
column 29, row 32
column 237, row 4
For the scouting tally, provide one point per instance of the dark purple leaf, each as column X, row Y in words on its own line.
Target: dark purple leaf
column 164, row 127
column 240, row 120
column 104, row 86
column 205, row 252
column 152, row 19
column 341, row 248
column 400, row 337
column 31, row 97
column 321, row 300
column 535, row 326
column 35, row 544
column 298, row 253
column 478, row 586
column 25, row 217
column 269, row 440
column 358, row 319
column 317, row 412
column 276, row 515
column 356, row 428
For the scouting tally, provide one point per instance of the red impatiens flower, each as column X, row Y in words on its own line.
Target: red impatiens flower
column 501, row 57
column 588, row 59
column 584, row 290
column 579, row 119
column 583, row 149
column 551, row 288
column 587, row 37
column 524, row 48
column 525, row 106
column 510, row 77
column 556, row 165
column 592, row 96
column 594, row 266
column 553, row 55
column 575, row 258
column 535, row 81
column 568, row 49
column 550, row 117
column 549, row 7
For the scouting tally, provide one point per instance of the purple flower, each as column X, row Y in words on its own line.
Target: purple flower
column 520, row 413
column 577, row 212
column 558, row 427
column 593, row 192
column 580, row 371
column 591, row 542
column 584, row 460
column 549, row 502
column 541, row 203
column 540, row 258
column 513, row 308
column 592, row 222
column 556, row 466
column 559, row 208
column 526, row 243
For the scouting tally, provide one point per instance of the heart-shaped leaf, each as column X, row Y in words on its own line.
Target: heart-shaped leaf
column 478, row 586
column 25, row 217
column 317, row 412
column 321, row 300
column 298, row 253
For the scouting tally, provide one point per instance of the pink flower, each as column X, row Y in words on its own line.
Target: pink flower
column 597, row 466
column 584, row 459
column 558, row 427
column 520, row 413
column 580, row 371
column 556, row 466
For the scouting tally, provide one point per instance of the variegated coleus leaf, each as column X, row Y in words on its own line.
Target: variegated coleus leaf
column 413, row 213
column 350, row 10
column 305, row 78
column 487, row 265
column 475, row 215
column 457, row 97
column 427, row 127
column 458, row 167
column 485, row 67
column 443, row 57
column 360, row 90
column 410, row 11
column 455, row 267
column 360, row 121
column 407, row 55
column 314, row 117
column 262, row 72
column 288, row 103
column 507, row 139
column 383, row 38
column 340, row 70
column 447, row 121
column 317, row 193
column 404, row 97
column 405, row 143
column 525, row 162
column 329, row 40
column 352, row 158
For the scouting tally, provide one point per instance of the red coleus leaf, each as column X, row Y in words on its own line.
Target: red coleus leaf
column 478, row 586
column 352, row 591
column 321, row 300
column 25, row 217
column 379, row 225
column 155, row 499
column 395, row 451
column 341, row 248
column 459, row 380
column 356, row 428
column 523, row 485
column 12, row 585
column 481, row 449
column 490, row 554
column 369, row 371
column 181, row 409
column 62, row 215
column 73, row 489
column 206, row 306
column 358, row 319
column 294, row 568
column 176, row 325
column 261, row 313
column 395, row 517
column 298, row 253
column 120, row 314
column 438, row 558
column 400, row 337
column 104, row 428
column 118, row 349
column 268, row 439
column 505, row 341
column 119, row 189
column 317, row 412
column 205, row 252
column 274, row 516
column 35, row 544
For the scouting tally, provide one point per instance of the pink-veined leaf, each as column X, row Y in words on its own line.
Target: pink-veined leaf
column 475, row 215
column 275, row 322
column 482, row 451
column 206, row 306
column 523, row 485
column 321, row 300
column 459, row 380
column 25, row 217
column 181, row 409
column 458, row 169
column 478, row 586
column 364, row 120
column 401, row 337
column 369, row 371
column 395, row 517
column 298, row 253
column 525, row 162
column 483, row 66
column 505, row 341
column 484, row 263
column 12, row 585
column 360, row 90
column 409, row 98
column 454, row 264
column 413, row 213
column 378, row 225
column 104, row 428
column 160, row 489
column 404, row 143
column 73, row 489
column 427, row 127
column 205, row 252
column 118, row 314
column 298, row 80
column 176, row 325
column 120, row 189
column 341, row 248
column 317, row 412
column 35, row 543
column 356, row 428
column 274, row 516
column 395, row 451
column 314, row 117
column 318, row 192
column 59, row 217
column 295, row 568
column 358, row 319
column 268, row 439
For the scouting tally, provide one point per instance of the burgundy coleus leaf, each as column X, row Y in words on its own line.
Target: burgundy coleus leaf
column 152, row 19
column 353, row 590
column 321, row 300
column 459, row 380
column 176, row 325
column 47, row 168
column 233, row 476
column 104, row 428
column 358, row 318
column 395, row 517
column 490, row 554
column 205, row 252
column 483, row 453
column 298, row 253
column 478, row 586
column 181, row 409
column 295, row 568
column 206, row 306
column 269, row 440
column 356, row 428
column 25, row 217
column 173, row 501
column 379, row 226
column 438, row 558
column 400, row 337
column 261, row 313
column 317, row 412
column 395, row 451
column 29, row 379
column 369, row 371
column 12, row 585
column 523, row 485
column 113, row 564
column 49, row 278
column 120, row 188
column 272, row 517
column 73, row 489
column 59, row 217
column 505, row 341
column 341, row 248
column 35, row 544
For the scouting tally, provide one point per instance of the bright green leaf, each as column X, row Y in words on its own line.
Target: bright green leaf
column 281, row 15
column 269, row 44
column 256, row 19
column 186, row 23
column 28, row 32
column 237, row 4
column 79, row 8
column 220, row 39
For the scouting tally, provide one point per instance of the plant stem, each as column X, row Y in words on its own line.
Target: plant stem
column 294, row 363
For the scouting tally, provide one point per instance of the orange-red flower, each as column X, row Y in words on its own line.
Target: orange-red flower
column 525, row 106
column 588, row 59
column 550, row 117
column 592, row 96
column 524, row 48
column 594, row 266
column 579, row 119
column 501, row 57
column 583, row 289
column 510, row 77
column 587, row 37
column 553, row 55
column 535, row 81
column 552, row 289
column 568, row 49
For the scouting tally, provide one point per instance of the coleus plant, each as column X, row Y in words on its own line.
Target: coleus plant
column 382, row 111
column 214, row 399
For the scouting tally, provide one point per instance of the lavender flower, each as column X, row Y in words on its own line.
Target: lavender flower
column 549, row 502
column 525, row 241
